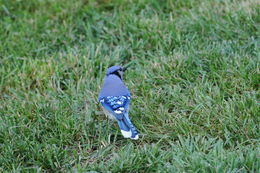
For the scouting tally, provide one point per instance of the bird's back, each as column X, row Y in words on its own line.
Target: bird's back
column 113, row 86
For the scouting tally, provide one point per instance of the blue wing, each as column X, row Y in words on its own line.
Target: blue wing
column 117, row 106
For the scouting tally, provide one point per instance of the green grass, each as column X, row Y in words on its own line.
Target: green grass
column 194, row 81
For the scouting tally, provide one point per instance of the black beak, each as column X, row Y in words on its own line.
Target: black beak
column 124, row 69
column 126, row 66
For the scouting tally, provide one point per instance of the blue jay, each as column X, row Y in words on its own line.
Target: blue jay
column 115, row 98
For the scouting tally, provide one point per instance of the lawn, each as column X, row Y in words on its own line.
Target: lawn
column 194, row 77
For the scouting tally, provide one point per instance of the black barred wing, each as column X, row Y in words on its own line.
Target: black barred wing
column 115, row 104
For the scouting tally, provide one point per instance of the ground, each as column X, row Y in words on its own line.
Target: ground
column 194, row 79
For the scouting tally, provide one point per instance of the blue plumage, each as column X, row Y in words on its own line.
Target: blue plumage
column 115, row 98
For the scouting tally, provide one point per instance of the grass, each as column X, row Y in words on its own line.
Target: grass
column 194, row 80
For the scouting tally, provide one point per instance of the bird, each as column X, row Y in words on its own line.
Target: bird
column 114, row 98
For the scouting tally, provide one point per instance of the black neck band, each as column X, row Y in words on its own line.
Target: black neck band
column 117, row 74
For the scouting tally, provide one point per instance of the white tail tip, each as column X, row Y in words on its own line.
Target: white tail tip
column 135, row 138
column 126, row 134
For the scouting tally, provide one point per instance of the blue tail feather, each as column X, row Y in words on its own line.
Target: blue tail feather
column 126, row 125
column 123, row 125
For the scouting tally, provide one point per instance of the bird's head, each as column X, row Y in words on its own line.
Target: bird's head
column 115, row 70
